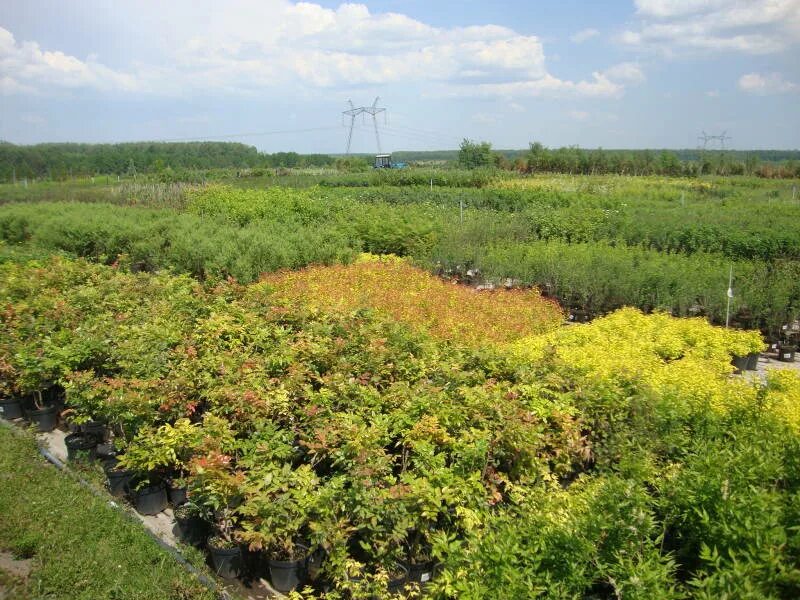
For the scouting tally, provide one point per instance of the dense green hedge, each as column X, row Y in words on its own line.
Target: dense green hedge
column 600, row 277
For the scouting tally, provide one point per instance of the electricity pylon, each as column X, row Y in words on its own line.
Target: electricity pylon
column 354, row 111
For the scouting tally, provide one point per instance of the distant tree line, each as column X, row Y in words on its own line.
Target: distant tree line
column 579, row 161
column 62, row 161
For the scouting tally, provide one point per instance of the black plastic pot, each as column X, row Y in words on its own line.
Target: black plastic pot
column 752, row 361
column 149, row 500
column 421, row 573
column 77, row 443
column 227, row 562
column 740, row 363
column 176, row 495
column 106, row 450
column 396, row 583
column 118, row 479
column 193, row 530
column 45, row 418
column 286, row 575
column 96, row 429
column 399, row 581
column 786, row 353
column 10, row 408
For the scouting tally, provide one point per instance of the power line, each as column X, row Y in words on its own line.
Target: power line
column 414, row 138
column 244, row 135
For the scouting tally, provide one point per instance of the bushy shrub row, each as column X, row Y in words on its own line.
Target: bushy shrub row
column 584, row 243
column 410, row 295
column 600, row 277
column 616, row 458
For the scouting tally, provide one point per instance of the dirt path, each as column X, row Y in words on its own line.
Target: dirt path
column 13, row 576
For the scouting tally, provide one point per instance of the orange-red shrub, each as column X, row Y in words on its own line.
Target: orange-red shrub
column 413, row 296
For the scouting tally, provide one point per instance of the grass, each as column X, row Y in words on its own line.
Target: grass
column 82, row 548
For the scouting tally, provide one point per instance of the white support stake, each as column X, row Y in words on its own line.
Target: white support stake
column 730, row 295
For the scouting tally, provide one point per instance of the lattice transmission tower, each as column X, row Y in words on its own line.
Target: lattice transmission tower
column 354, row 111
column 706, row 138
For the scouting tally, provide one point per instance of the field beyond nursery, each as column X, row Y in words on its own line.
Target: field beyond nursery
column 309, row 357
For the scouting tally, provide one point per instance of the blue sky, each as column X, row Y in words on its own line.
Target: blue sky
column 625, row 74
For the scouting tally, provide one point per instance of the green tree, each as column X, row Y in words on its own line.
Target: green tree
column 473, row 154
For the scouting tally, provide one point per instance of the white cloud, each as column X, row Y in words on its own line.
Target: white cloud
column 578, row 115
column 10, row 86
column 749, row 26
column 33, row 119
column 484, row 119
column 627, row 72
column 770, row 83
column 583, row 35
column 26, row 67
column 253, row 47
column 712, row 93
column 599, row 86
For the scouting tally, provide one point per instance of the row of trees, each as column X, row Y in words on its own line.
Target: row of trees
column 62, row 161
column 578, row 161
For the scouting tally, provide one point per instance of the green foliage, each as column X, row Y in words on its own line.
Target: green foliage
column 473, row 154
column 63, row 161
column 612, row 459
column 611, row 241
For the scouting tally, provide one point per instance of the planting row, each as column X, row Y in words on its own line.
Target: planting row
column 595, row 278
column 361, row 454
column 413, row 296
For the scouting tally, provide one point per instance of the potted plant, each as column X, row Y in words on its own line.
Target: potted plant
column 276, row 513
column 215, row 489
column 745, row 348
column 786, row 353
column 79, row 445
column 43, row 415
column 192, row 528
column 10, row 406
column 151, row 455
column 118, row 477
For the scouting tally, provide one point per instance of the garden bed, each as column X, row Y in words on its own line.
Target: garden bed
column 356, row 448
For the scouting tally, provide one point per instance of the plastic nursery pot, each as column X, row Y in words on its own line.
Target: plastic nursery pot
column 106, row 450
column 96, row 429
column 193, row 530
column 740, row 363
column 118, row 479
column 227, row 562
column 752, row 361
column 10, row 408
column 786, row 353
column 398, row 579
column 286, row 575
column 150, row 499
column 175, row 493
column 78, row 443
column 45, row 418
column 423, row 572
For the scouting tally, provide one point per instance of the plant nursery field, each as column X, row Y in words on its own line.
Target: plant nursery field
column 311, row 376
column 593, row 243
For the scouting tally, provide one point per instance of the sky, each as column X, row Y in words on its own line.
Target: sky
column 278, row 74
